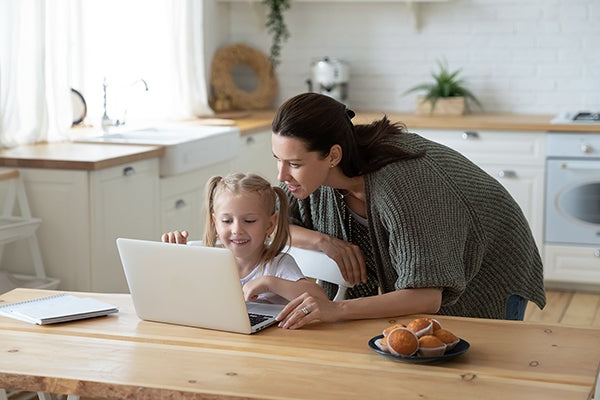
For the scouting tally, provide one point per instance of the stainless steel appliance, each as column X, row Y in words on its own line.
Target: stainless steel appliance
column 330, row 77
column 581, row 117
column 573, row 189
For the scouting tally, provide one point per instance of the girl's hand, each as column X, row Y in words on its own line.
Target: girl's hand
column 179, row 237
column 305, row 309
column 349, row 259
column 254, row 287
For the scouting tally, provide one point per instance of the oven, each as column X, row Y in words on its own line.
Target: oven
column 573, row 189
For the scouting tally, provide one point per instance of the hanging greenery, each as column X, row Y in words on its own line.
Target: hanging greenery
column 276, row 27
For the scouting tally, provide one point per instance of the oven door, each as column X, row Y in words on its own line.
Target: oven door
column 573, row 201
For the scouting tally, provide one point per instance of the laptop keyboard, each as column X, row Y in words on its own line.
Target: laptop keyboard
column 257, row 318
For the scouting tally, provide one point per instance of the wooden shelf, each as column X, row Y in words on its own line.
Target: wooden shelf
column 413, row 5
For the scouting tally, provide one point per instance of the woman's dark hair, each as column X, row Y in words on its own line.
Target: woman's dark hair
column 321, row 121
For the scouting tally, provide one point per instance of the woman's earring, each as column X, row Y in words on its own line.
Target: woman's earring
column 331, row 165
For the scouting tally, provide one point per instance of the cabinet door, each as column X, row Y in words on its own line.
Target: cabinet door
column 493, row 146
column 526, row 186
column 124, row 202
column 256, row 156
column 182, row 199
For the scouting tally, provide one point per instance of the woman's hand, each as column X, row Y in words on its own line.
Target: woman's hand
column 305, row 309
column 349, row 259
column 179, row 237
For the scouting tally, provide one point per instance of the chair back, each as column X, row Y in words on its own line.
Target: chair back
column 318, row 265
column 313, row 264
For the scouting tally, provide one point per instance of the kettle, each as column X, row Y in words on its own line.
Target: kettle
column 329, row 77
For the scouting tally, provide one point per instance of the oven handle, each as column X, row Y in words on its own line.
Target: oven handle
column 581, row 166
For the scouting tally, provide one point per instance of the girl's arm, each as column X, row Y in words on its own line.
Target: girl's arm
column 283, row 287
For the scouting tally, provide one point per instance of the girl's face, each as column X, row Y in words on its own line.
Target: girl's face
column 302, row 171
column 243, row 223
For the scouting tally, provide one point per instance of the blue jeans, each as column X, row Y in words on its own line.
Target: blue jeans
column 515, row 308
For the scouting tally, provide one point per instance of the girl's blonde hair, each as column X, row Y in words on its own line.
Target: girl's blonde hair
column 273, row 198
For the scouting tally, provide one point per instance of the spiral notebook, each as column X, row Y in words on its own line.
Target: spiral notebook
column 57, row 308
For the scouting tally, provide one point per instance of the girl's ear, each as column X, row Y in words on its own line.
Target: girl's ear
column 335, row 155
column 272, row 224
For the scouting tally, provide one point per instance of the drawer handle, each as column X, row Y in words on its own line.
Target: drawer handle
column 179, row 204
column 128, row 171
column 507, row 174
column 470, row 135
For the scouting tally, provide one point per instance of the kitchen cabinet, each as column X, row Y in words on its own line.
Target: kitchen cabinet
column 82, row 213
column 182, row 199
column 256, row 155
column 576, row 266
column 515, row 159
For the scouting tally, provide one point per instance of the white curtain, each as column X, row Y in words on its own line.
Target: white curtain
column 49, row 46
column 34, row 90
column 190, row 97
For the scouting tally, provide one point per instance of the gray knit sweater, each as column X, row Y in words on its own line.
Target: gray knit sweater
column 439, row 221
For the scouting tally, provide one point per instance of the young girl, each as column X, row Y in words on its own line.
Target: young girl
column 242, row 214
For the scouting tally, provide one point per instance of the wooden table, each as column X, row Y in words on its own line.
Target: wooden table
column 122, row 357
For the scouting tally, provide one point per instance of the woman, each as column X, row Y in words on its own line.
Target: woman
column 416, row 226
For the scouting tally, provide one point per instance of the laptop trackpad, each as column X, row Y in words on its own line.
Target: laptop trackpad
column 264, row 308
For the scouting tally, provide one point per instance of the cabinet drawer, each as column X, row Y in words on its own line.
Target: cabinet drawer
column 493, row 146
column 573, row 264
column 183, row 211
column 131, row 169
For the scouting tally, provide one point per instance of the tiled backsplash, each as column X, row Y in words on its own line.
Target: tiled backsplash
column 538, row 56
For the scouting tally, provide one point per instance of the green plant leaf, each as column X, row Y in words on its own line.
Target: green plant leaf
column 277, row 27
column 446, row 83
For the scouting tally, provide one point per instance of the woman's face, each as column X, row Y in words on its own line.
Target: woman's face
column 302, row 171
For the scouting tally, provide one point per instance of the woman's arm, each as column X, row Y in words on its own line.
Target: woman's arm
column 283, row 287
column 392, row 304
column 348, row 256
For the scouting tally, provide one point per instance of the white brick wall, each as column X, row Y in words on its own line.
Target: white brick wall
column 522, row 56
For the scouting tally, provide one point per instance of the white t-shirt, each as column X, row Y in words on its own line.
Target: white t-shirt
column 283, row 266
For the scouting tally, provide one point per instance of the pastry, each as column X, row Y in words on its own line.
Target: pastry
column 449, row 338
column 420, row 326
column 431, row 346
column 402, row 341
column 392, row 327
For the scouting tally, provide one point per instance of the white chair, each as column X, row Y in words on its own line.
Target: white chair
column 319, row 266
column 313, row 264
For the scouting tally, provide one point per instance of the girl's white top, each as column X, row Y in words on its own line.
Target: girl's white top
column 283, row 266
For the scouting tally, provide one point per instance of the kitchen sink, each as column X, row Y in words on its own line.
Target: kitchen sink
column 186, row 147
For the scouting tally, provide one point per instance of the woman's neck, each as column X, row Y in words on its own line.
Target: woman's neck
column 354, row 187
column 354, row 195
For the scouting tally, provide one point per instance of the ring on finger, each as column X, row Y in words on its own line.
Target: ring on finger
column 305, row 310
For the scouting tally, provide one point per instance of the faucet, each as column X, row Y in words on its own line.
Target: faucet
column 107, row 122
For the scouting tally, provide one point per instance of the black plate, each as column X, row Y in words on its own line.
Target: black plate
column 459, row 349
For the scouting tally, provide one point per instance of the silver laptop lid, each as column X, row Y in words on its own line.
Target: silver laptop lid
column 186, row 285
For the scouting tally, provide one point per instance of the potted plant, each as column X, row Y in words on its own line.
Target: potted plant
column 446, row 95
column 276, row 26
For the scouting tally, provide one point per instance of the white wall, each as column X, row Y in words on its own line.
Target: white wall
column 522, row 56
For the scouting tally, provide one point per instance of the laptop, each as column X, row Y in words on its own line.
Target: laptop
column 195, row 286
